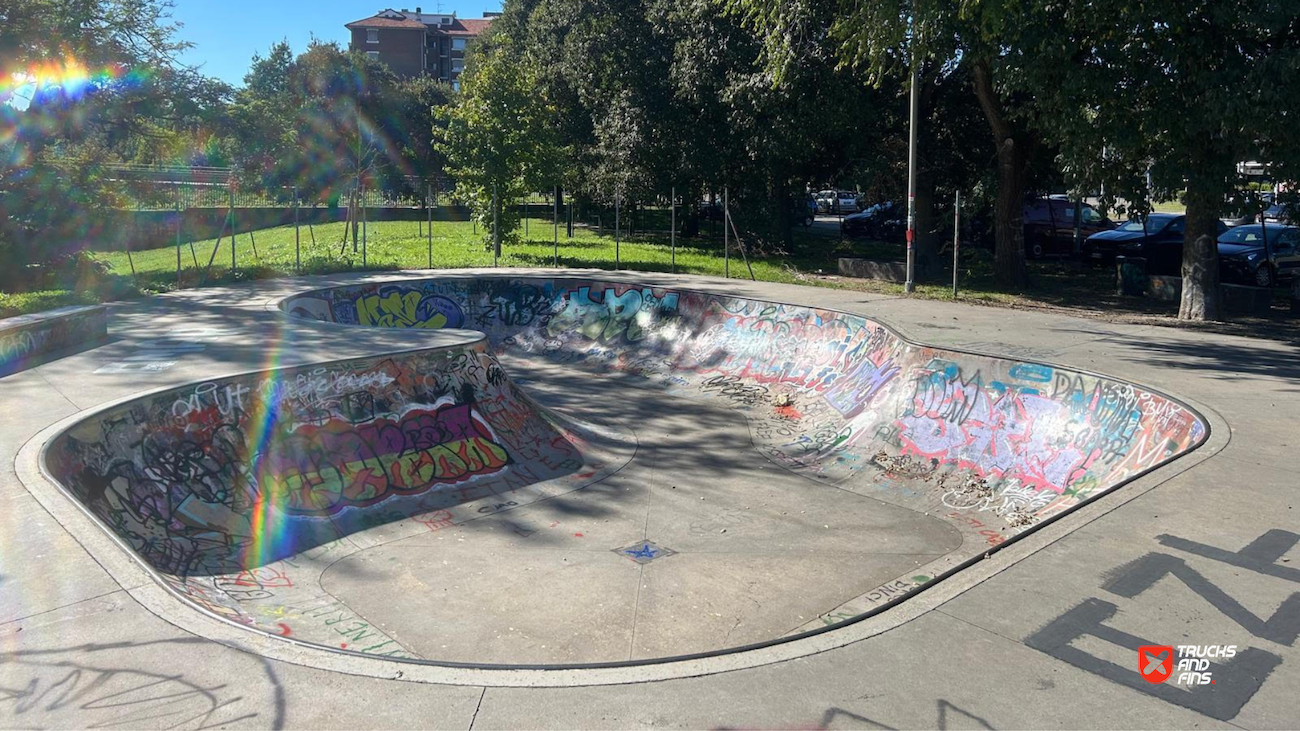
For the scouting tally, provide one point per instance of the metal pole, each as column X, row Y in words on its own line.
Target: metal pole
column 956, row 239
column 496, row 227
column 726, row 241
column 1078, row 226
column 673, row 227
column 910, row 285
column 178, row 237
column 555, row 226
column 297, row 234
column 428, row 207
column 617, row 259
column 233, row 230
column 365, row 235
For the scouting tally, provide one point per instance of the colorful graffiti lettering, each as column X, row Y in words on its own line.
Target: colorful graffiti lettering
column 323, row 469
column 392, row 307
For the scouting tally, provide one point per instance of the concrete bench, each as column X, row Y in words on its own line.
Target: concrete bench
column 24, row 340
column 886, row 271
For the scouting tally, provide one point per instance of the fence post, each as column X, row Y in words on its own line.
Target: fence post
column 496, row 226
column 617, row 229
column 726, row 242
column 297, row 235
column 135, row 234
column 233, row 263
column 178, row 236
column 956, row 239
column 428, row 207
column 555, row 226
column 526, row 234
column 365, row 235
column 672, row 226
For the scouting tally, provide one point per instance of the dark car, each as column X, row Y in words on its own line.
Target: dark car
column 805, row 211
column 1280, row 213
column 1158, row 238
column 876, row 221
column 1246, row 257
column 1049, row 226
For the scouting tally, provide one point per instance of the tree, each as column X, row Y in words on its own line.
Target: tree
column 881, row 39
column 497, row 137
column 1176, row 93
column 652, row 95
column 102, row 73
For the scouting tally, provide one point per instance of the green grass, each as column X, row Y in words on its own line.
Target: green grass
column 396, row 245
column 392, row 245
column 25, row 302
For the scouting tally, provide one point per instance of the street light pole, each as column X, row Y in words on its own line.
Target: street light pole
column 910, row 285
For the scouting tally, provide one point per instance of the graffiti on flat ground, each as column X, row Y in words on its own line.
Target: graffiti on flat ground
column 107, row 686
column 161, row 353
column 1235, row 680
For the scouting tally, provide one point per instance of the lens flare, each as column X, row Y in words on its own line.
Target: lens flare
column 68, row 78
column 269, row 518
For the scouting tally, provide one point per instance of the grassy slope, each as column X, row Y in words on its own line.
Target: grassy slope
column 400, row 245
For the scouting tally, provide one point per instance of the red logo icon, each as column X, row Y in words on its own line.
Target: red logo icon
column 1155, row 662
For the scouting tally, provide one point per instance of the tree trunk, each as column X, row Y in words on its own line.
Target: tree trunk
column 1201, row 294
column 1008, row 218
column 1014, row 149
column 354, row 214
column 927, row 239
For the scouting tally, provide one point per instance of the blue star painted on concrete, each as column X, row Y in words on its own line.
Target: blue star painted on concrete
column 645, row 551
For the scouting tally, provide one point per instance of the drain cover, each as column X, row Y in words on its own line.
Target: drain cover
column 644, row 552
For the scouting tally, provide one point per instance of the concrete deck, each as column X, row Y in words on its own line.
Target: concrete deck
column 1203, row 551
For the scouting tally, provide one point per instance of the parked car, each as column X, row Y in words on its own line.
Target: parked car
column 1158, row 238
column 1281, row 213
column 841, row 201
column 878, row 221
column 711, row 211
column 1246, row 257
column 1049, row 226
column 806, row 211
column 825, row 200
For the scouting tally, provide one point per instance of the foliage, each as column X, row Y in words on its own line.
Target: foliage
column 52, row 137
column 939, row 39
column 1176, row 93
column 497, row 138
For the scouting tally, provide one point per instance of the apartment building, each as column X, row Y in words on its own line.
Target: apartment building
column 413, row 42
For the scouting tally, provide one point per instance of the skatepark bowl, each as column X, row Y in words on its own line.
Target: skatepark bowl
column 604, row 474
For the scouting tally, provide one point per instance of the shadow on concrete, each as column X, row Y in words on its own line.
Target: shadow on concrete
column 128, row 685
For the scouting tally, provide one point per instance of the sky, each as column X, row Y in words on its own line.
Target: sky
column 226, row 33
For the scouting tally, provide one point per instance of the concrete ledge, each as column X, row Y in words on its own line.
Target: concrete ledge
column 1242, row 300
column 887, row 271
column 25, row 339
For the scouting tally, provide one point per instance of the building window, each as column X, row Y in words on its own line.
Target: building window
column 372, row 35
column 455, row 85
column 457, row 65
column 372, row 55
column 458, row 44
